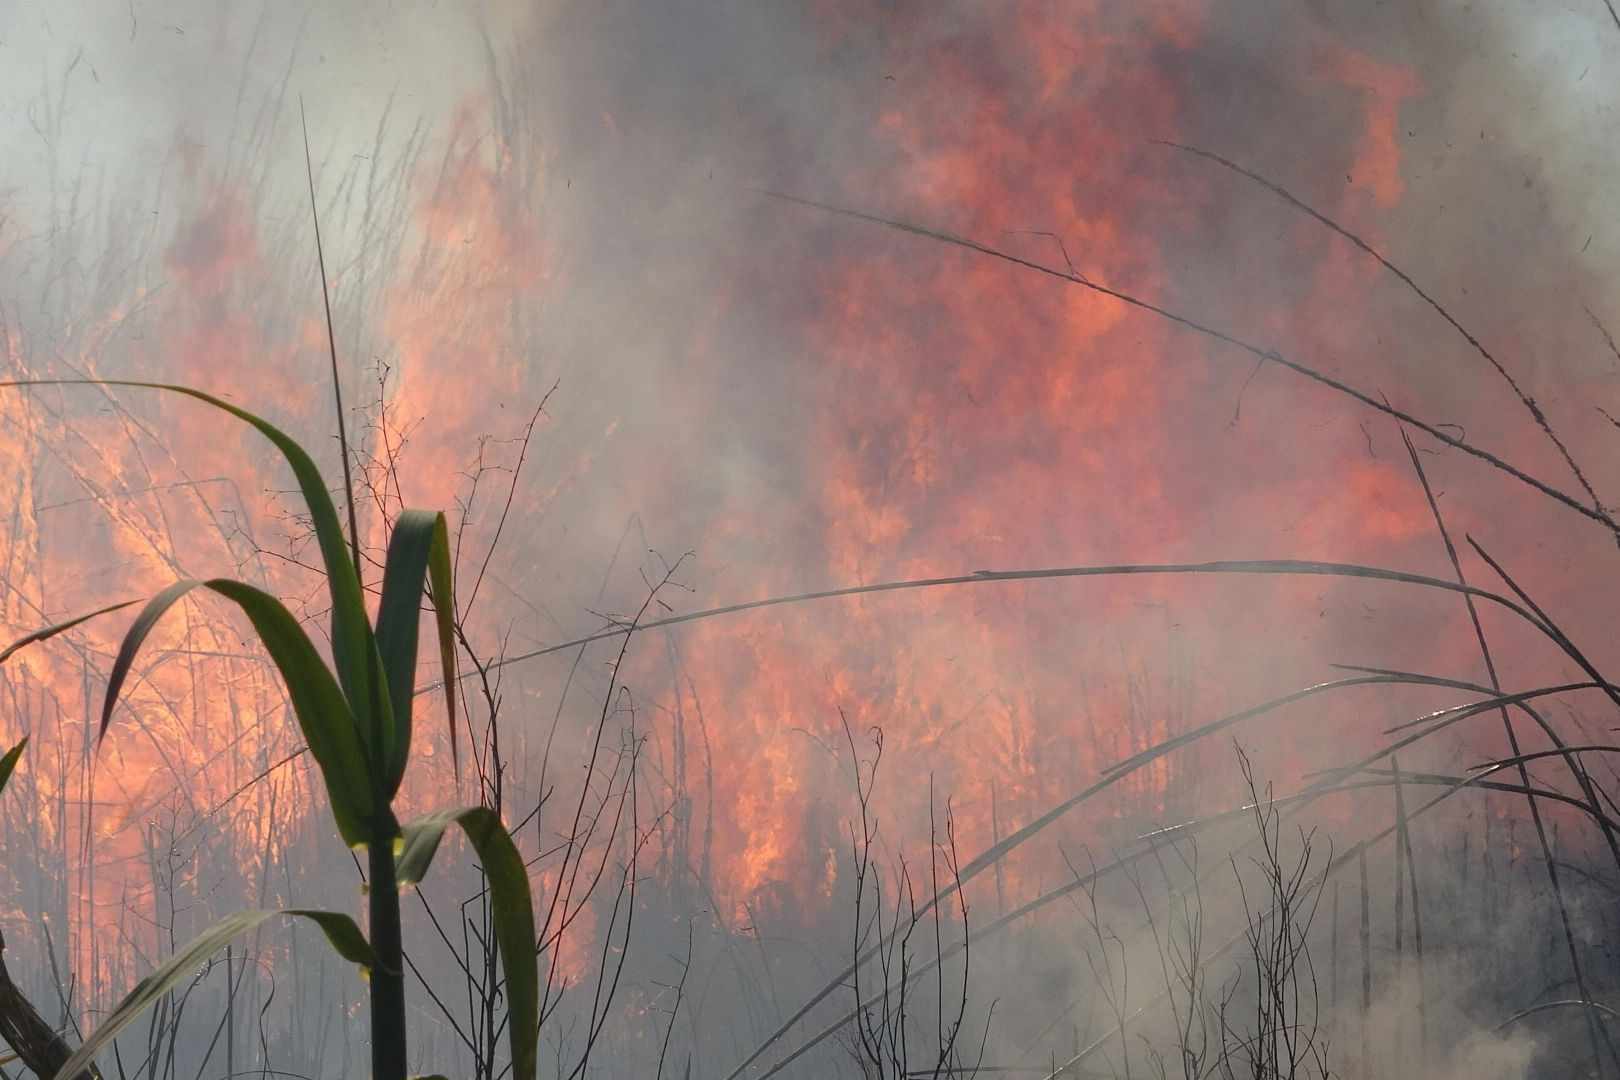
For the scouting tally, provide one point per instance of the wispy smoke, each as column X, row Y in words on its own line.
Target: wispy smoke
column 584, row 200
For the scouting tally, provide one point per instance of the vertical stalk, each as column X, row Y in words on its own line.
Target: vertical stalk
column 1594, row 1029
column 230, row 1007
column 1417, row 918
column 388, row 980
column 1400, row 927
column 1366, row 970
column 1333, row 977
column 331, row 342
column 995, row 837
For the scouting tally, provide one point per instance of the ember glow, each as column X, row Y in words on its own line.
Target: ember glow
column 675, row 227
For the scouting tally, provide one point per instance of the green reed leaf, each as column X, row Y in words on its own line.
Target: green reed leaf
column 418, row 550
column 52, row 631
column 353, row 645
column 9, row 762
column 340, row 930
column 511, row 905
column 323, row 714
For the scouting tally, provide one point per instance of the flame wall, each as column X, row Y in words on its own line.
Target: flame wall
column 514, row 197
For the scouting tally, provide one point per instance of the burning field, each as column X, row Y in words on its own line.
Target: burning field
column 1025, row 538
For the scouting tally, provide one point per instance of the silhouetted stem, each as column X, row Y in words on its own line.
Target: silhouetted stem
column 388, row 980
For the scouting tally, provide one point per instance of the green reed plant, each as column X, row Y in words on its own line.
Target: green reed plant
column 8, row 763
column 356, row 720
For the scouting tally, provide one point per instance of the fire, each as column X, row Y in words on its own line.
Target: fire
column 971, row 417
column 104, row 507
column 955, row 414
column 1017, row 441
column 1375, row 161
column 200, row 780
column 482, row 253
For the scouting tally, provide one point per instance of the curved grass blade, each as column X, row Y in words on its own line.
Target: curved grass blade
column 1580, row 1003
column 418, row 550
column 133, row 638
column 1001, row 848
column 325, row 717
column 52, row 631
column 1258, row 567
column 323, row 713
column 442, row 582
column 340, row 930
column 343, row 934
column 9, row 762
column 1525, row 399
column 353, row 645
column 1436, row 432
column 513, row 910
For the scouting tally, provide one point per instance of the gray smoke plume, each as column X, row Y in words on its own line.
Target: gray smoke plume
column 639, row 215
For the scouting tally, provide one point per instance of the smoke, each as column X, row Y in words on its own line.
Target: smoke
column 516, row 197
column 1456, row 1047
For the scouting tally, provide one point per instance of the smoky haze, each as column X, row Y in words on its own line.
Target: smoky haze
column 579, row 205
